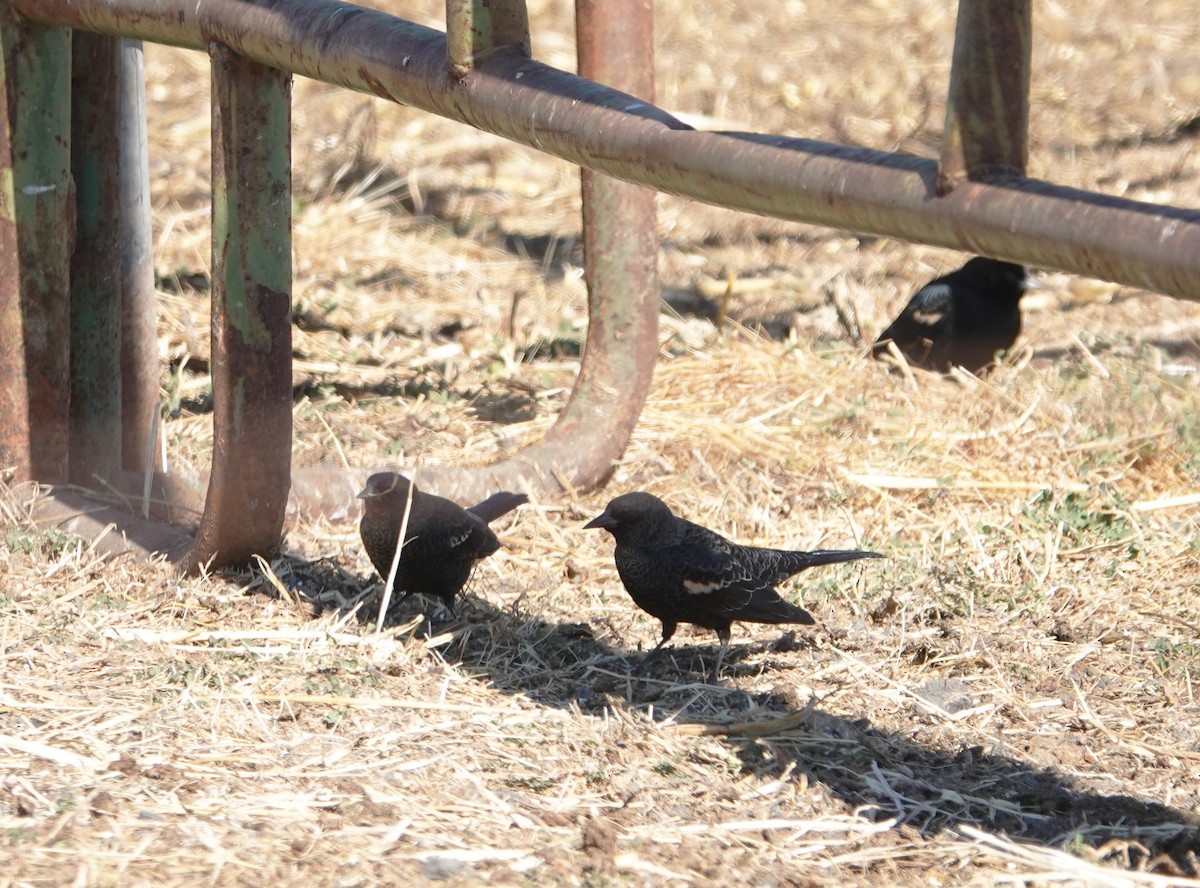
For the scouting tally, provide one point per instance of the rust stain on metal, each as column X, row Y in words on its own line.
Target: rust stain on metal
column 477, row 28
column 620, row 232
column 604, row 129
column 987, row 109
column 251, row 314
column 14, row 422
column 36, row 239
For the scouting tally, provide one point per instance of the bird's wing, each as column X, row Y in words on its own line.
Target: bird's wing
column 715, row 570
column 931, row 303
column 442, row 528
column 926, row 312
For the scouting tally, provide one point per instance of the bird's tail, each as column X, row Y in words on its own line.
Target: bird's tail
column 498, row 504
column 797, row 561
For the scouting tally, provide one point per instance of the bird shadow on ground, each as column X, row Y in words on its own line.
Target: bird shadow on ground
column 889, row 776
column 883, row 775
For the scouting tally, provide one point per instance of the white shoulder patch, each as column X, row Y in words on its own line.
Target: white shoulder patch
column 696, row 588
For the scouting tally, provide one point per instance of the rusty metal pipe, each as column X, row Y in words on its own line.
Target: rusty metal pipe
column 14, row 383
column 111, row 527
column 620, row 243
column 616, row 46
column 37, row 221
column 987, row 108
column 1014, row 218
column 251, row 313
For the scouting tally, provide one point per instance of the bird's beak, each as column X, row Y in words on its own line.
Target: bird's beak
column 603, row 520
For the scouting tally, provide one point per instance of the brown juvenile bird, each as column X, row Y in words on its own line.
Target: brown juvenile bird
column 442, row 541
column 961, row 319
column 681, row 572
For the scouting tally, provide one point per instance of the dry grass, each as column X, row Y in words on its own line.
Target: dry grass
column 1010, row 698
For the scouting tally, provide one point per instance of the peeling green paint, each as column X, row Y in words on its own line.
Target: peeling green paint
column 251, row 312
column 38, row 204
column 476, row 28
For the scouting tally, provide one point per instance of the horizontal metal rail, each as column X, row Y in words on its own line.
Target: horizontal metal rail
column 1010, row 217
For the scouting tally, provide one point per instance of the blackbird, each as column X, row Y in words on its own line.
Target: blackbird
column 442, row 542
column 681, row 572
column 962, row 318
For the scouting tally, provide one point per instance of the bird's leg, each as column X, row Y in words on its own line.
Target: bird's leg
column 637, row 670
column 393, row 605
column 444, row 612
column 668, row 631
column 724, row 634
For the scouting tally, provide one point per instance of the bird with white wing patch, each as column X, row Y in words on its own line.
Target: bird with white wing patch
column 681, row 572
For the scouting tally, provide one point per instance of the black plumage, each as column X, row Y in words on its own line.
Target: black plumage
column 681, row 572
column 442, row 541
column 961, row 319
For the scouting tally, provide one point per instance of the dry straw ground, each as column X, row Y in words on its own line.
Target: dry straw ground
column 1011, row 697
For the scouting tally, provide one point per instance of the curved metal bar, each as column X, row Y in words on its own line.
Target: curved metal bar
column 620, row 241
column 1014, row 218
column 620, row 228
column 111, row 526
column 251, row 313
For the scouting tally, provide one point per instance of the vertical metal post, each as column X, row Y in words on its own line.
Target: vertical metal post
column 620, row 231
column 14, row 394
column 251, row 313
column 476, row 27
column 987, row 109
column 139, row 340
column 95, row 452
column 37, row 224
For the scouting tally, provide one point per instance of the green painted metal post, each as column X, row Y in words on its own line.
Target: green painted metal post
column 36, row 229
column 251, row 313
column 987, row 108
column 476, row 28
column 620, row 232
column 14, row 392
column 95, row 452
